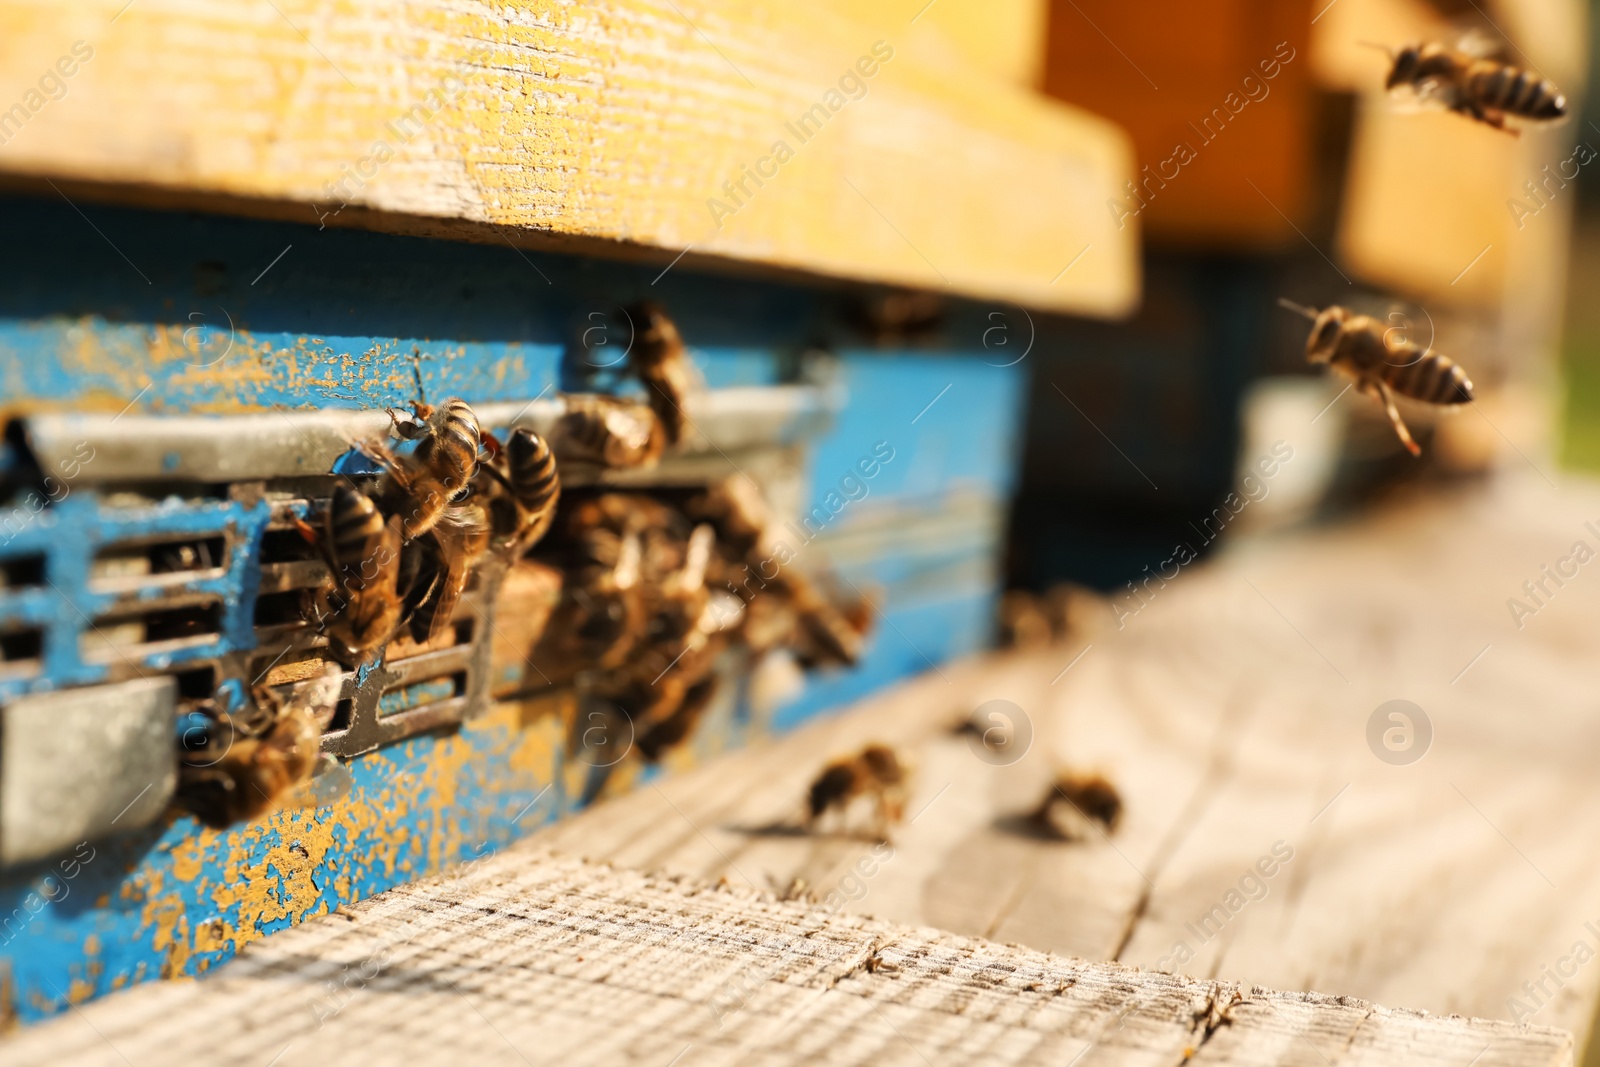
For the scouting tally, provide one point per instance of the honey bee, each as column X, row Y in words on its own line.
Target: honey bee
column 658, row 358
column 608, row 432
column 671, row 730
column 1481, row 88
column 363, row 551
column 876, row 771
column 248, row 768
column 1075, row 801
column 419, row 486
column 827, row 627
column 600, row 617
column 1361, row 347
column 451, row 550
column 532, row 486
column 833, row 628
column 666, row 683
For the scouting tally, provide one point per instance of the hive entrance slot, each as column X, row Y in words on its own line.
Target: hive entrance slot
column 197, row 684
column 123, row 563
column 422, row 693
column 342, row 713
column 280, row 609
column 20, row 648
column 286, row 546
column 116, row 634
column 22, row 572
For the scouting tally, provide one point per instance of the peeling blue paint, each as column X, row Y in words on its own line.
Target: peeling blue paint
column 338, row 327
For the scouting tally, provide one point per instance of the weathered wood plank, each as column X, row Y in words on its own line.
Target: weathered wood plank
column 1234, row 720
column 617, row 128
column 526, row 957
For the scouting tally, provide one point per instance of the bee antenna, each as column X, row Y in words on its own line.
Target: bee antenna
column 1298, row 309
column 1385, row 49
column 416, row 372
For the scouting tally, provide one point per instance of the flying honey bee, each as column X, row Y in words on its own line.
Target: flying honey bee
column 876, row 771
column 363, row 551
column 658, row 358
column 1479, row 87
column 419, row 485
column 1074, row 801
column 611, row 433
column 1382, row 365
column 265, row 764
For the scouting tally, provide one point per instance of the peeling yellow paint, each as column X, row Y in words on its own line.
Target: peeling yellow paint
column 276, row 870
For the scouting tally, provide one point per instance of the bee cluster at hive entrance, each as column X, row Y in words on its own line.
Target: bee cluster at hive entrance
column 458, row 554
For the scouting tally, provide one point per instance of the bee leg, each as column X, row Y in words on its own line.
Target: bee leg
column 495, row 473
column 410, row 430
column 1495, row 119
column 314, row 538
column 1384, row 396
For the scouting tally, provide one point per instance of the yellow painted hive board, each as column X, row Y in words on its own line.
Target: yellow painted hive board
column 785, row 136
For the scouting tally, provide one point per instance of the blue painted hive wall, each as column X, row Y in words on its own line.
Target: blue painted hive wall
column 169, row 314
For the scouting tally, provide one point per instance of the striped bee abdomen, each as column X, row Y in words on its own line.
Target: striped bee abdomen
column 1515, row 91
column 355, row 537
column 451, row 449
column 532, row 471
column 1431, row 379
column 659, row 359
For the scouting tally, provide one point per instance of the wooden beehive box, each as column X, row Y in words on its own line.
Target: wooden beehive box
column 251, row 230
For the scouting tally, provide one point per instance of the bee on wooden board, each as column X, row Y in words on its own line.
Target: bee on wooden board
column 1382, row 364
column 659, row 359
column 419, row 485
column 1482, row 88
column 267, row 756
column 876, row 771
column 1075, row 801
column 612, row 433
column 363, row 551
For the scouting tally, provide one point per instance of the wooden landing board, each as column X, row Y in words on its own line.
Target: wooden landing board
column 531, row 959
column 609, row 128
column 1232, row 712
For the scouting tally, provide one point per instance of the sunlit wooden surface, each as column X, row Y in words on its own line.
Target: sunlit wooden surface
column 1233, row 711
column 609, row 128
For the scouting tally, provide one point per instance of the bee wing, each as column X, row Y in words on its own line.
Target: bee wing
column 1431, row 94
column 329, row 783
column 1480, row 42
column 457, row 535
column 319, row 697
column 452, row 581
column 698, row 556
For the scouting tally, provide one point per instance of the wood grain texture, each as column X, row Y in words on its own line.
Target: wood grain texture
column 597, row 127
column 528, row 958
column 1232, row 712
